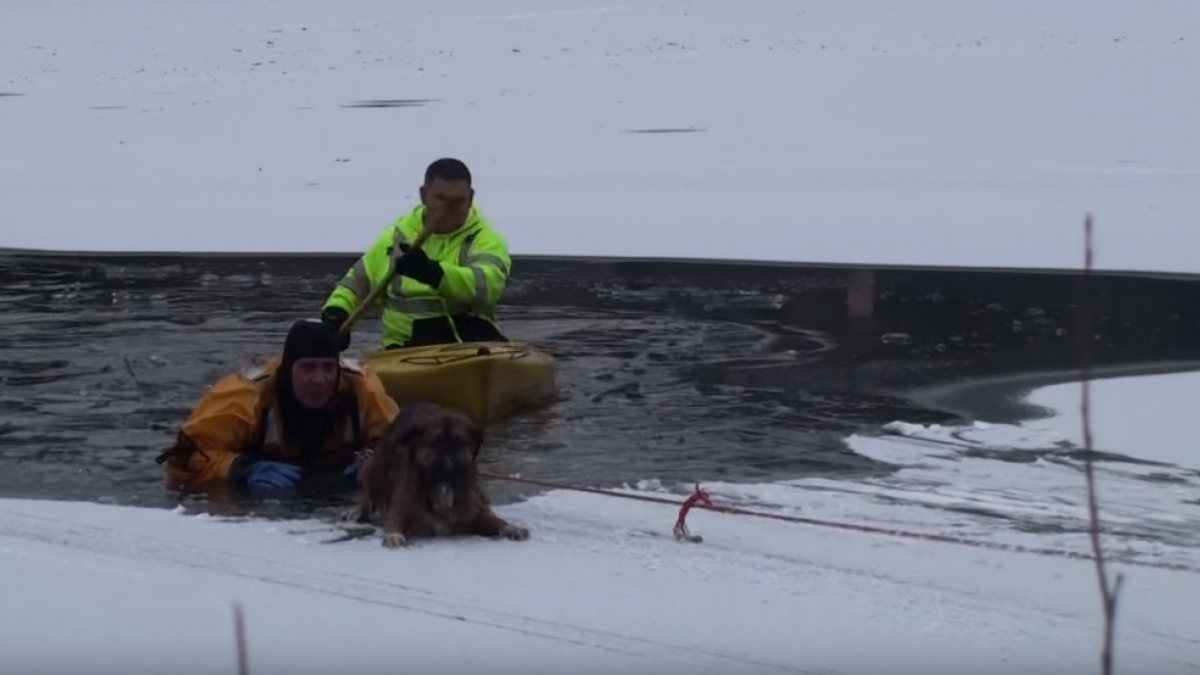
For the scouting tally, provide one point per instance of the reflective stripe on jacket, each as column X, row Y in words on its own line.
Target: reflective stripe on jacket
column 475, row 261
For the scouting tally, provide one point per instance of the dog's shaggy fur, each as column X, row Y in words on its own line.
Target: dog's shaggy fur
column 421, row 480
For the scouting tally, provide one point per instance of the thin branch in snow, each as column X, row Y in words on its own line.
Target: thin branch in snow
column 1086, row 332
column 239, row 627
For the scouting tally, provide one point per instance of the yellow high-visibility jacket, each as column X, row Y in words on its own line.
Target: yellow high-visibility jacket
column 474, row 258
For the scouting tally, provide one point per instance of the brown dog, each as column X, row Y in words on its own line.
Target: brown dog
column 422, row 482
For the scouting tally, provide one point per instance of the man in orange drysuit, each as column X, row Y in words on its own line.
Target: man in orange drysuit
column 307, row 411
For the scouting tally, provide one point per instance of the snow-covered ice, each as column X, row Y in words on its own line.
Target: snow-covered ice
column 1146, row 417
column 932, row 132
column 589, row 593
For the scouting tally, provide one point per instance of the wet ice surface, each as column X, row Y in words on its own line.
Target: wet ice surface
column 99, row 371
column 670, row 374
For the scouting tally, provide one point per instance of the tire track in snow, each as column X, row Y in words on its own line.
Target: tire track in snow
column 142, row 547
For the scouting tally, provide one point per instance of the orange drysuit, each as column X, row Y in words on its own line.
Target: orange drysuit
column 238, row 418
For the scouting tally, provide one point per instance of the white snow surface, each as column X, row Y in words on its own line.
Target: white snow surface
column 1122, row 414
column 929, row 132
column 602, row 587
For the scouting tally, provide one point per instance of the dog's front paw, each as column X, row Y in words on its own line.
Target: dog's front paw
column 354, row 514
column 515, row 532
column 394, row 540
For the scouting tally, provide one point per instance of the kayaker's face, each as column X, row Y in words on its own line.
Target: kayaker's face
column 447, row 203
column 314, row 381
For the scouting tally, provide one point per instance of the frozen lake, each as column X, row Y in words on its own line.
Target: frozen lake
column 921, row 421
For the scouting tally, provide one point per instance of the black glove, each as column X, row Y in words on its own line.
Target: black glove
column 333, row 318
column 416, row 265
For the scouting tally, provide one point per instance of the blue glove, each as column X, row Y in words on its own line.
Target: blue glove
column 272, row 475
column 351, row 472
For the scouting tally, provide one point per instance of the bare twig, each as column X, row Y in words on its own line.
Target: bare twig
column 239, row 627
column 1108, row 594
column 129, row 369
column 137, row 382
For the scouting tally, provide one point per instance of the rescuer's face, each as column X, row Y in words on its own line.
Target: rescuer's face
column 447, row 203
column 314, row 381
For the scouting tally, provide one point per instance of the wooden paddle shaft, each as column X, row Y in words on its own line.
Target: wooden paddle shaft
column 380, row 289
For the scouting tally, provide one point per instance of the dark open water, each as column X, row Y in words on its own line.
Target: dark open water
column 674, row 371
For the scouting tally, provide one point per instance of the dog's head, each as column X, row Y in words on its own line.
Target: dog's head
column 442, row 445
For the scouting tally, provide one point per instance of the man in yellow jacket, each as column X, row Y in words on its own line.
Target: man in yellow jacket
column 305, row 412
column 443, row 292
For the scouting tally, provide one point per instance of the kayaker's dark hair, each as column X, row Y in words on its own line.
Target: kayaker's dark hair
column 447, row 168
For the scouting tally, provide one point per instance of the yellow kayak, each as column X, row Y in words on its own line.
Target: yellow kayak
column 491, row 380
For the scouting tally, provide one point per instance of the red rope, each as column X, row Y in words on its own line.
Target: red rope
column 699, row 498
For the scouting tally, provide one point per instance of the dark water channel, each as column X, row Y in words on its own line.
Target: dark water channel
column 674, row 371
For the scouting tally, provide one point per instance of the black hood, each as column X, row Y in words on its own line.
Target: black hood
column 308, row 338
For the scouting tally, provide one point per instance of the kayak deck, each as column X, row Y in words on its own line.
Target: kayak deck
column 491, row 380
